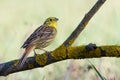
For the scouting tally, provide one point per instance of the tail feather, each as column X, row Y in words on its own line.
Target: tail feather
column 23, row 59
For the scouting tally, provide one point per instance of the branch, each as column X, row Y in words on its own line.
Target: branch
column 83, row 23
column 76, row 52
column 65, row 51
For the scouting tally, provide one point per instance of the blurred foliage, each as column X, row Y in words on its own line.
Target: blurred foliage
column 19, row 18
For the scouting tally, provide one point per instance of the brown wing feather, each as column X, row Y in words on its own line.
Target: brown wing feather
column 42, row 32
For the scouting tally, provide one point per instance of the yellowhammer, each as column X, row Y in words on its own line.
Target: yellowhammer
column 40, row 38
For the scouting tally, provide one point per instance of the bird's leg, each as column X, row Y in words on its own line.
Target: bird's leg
column 34, row 52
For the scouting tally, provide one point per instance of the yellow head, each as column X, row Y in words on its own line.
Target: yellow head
column 51, row 21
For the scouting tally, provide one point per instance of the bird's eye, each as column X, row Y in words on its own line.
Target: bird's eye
column 50, row 19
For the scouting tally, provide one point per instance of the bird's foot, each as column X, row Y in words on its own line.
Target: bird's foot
column 35, row 54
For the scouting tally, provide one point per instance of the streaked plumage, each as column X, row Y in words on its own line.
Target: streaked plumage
column 40, row 38
column 42, row 35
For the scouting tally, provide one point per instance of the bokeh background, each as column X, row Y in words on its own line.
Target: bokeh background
column 19, row 18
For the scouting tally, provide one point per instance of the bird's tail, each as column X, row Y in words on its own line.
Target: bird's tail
column 23, row 59
column 24, row 56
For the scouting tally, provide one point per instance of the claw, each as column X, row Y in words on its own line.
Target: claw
column 35, row 54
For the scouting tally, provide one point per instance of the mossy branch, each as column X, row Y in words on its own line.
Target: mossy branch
column 75, row 52
column 65, row 51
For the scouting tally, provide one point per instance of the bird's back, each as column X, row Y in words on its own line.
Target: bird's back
column 41, row 37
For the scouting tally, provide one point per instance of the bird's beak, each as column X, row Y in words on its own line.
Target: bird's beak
column 56, row 19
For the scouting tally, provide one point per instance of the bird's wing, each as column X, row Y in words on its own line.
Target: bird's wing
column 41, row 32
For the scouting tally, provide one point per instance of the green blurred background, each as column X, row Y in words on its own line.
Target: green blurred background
column 19, row 18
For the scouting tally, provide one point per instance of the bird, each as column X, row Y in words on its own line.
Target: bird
column 40, row 38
